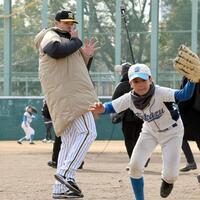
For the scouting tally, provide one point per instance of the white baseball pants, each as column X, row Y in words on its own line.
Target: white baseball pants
column 170, row 142
column 27, row 130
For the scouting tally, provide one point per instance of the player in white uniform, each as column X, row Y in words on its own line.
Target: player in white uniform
column 28, row 130
column 162, row 125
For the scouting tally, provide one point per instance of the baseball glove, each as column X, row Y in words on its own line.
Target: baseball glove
column 187, row 63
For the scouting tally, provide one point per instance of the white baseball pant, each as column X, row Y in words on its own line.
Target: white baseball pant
column 170, row 142
column 28, row 130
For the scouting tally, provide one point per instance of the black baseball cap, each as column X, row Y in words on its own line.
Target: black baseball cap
column 65, row 16
column 125, row 68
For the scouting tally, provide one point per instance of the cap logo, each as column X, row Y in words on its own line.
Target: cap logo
column 70, row 15
column 137, row 69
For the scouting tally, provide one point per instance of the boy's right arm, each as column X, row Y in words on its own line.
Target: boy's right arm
column 116, row 106
column 108, row 108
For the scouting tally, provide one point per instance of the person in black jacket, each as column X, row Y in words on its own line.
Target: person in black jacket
column 190, row 114
column 131, row 125
column 47, row 121
column 57, row 142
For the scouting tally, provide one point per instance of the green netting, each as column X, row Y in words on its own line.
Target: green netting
column 12, row 110
column 99, row 20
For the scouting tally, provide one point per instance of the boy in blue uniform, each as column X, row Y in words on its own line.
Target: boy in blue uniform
column 28, row 130
column 161, row 126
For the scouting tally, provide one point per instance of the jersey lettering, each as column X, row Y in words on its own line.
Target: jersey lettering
column 152, row 116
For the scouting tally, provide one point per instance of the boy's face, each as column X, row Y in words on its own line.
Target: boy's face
column 30, row 110
column 141, row 86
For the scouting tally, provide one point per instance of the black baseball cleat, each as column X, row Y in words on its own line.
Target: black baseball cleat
column 59, row 196
column 198, row 178
column 52, row 164
column 165, row 189
column 146, row 164
column 81, row 166
column 188, row 167
column 31, row 142
column 71, row 194
column 66, row 195
column 68, row 183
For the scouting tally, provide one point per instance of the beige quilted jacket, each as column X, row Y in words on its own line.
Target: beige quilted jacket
column 65, row 82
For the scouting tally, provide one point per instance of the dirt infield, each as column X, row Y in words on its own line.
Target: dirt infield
column 24, row 174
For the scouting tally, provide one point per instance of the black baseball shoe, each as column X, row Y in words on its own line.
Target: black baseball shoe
column 188, row 167
column 81, row 166
column 52, row 164
column 165, row 189
column 68, row 183
column 19, row 142
column 31, row 142
column 146, row 164
column 71, row 194
column 59, row 196
column 66, row 195
column 198, row 178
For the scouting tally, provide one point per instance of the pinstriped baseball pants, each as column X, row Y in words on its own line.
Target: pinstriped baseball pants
column 76, row 141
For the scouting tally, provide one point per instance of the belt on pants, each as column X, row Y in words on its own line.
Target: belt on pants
column 170, row 127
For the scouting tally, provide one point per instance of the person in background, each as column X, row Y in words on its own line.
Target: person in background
column 28, row 116
column 47, row 121
column 131, row 124
column 57, row 141
column 190, row 114
column 56, row 148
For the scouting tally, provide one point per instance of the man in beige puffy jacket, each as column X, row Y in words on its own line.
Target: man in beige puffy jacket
column 68, row 91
